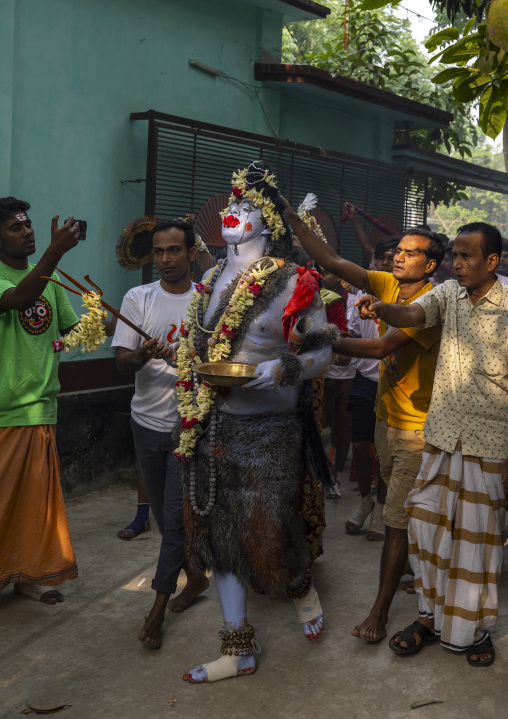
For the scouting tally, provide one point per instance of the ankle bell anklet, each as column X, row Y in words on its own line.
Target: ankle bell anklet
column 302, row 589
column 238, row 642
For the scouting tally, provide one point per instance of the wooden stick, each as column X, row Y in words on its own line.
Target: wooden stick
column 124, row 319
column 104, row 304
column 96, row 287
column 50, row 279
column 74, row 282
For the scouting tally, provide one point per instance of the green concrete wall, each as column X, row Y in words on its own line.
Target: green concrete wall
column 74, row 70
column 354, row 131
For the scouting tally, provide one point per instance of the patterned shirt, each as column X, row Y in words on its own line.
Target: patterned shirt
column 470, row 395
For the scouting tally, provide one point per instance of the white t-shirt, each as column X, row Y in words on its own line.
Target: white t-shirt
column 349, row 371
column 366, row 329
column 160, row 314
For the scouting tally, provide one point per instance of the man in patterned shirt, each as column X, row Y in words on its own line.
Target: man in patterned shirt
column 457, row 507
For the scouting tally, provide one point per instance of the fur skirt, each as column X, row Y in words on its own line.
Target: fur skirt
column 255, row 529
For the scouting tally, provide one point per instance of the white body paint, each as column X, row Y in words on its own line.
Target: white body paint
column 264, row 340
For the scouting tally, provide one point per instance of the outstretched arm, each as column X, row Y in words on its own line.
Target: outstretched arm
column 323, row 253
column 395, row 315
column 360, row 233
column 372, row 348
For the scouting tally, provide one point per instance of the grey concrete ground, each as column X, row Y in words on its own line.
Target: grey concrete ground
column 84, row 652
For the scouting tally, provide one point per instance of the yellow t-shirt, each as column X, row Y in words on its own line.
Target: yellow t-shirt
column 406, row 376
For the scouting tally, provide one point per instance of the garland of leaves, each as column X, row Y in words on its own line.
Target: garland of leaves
column 195, row 398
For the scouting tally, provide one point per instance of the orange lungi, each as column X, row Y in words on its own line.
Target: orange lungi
column 35, row 544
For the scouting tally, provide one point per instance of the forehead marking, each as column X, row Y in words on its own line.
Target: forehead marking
column 21, row 216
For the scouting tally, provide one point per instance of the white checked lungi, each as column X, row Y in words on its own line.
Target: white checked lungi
column 456, row 517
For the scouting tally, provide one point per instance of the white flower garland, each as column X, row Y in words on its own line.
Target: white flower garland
column 89, row 333
column 194, row 403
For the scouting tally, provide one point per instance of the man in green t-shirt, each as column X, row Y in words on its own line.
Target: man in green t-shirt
column 35, row 546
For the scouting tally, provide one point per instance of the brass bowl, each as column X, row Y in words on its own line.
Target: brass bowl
column 226, row 374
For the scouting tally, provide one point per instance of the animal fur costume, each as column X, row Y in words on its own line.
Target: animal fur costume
column 255, row 529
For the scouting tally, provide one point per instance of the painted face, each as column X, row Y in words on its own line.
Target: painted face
column 249, row 225
column 36, row 319
column 410, row 263
column 472, row 269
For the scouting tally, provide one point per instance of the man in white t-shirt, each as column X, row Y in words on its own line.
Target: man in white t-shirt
column 159, row 308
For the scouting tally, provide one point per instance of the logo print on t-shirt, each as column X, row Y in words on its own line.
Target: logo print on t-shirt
column 37, row 318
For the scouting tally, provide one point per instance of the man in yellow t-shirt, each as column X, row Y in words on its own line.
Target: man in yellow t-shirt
column 408, row 362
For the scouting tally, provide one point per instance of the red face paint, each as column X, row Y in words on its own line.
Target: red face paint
column 248, row 226
column 230, row 221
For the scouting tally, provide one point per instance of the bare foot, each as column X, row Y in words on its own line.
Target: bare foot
column 375, row 536
column 39, row 593
column 373, row 629
column 151, row 633
column 196, row 585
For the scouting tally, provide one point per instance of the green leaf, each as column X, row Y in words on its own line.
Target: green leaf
column 449, row 74
column 469, row 26
column 490, row 58
column 492, row 112
column 503, row 88
column 446, row 35
column 497, row 23
column 472, row 87
column 424, row 703
column 374, row 4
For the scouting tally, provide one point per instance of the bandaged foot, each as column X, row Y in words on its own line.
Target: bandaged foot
column 364, row 508
column 223, row 668
column 376, row 530
column 39, row 593
column 310, row 614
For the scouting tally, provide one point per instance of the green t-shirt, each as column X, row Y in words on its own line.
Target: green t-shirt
column 28, row 364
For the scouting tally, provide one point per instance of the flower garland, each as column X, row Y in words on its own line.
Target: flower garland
column 196, row 398
column 89, row 333
column 242, row 192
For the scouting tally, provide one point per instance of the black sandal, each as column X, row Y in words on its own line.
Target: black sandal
column 484, row 647
column 426, row 634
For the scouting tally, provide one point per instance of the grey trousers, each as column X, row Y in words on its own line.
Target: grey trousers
column 162, row 474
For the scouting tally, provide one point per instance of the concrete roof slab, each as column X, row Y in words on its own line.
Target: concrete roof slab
column 343, row 92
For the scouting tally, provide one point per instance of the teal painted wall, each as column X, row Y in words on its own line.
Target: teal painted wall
column 74, row 70
column 349, row 129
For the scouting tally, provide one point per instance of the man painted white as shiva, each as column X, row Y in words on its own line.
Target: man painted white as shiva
column 246, row 451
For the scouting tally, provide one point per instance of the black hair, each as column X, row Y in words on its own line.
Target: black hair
column 190, row 237
column 254, row 178
column 10, row 205
column 436, row 249
column 492, row 243
column 386, row 244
